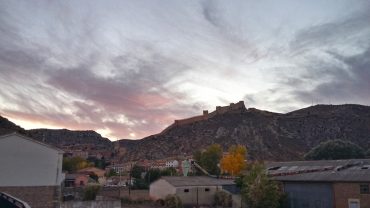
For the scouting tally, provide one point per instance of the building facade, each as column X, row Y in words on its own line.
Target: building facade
column 192, row 190
column 30, row 170
column 324, row 184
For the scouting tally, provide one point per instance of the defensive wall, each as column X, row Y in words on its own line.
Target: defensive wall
column 232, row 108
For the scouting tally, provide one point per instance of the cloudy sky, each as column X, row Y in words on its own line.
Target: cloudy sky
column 127, row 69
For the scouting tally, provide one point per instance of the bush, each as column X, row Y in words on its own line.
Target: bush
column 335, row 150
column 127, row 200
column 172, row 201
column 90, row 192
column 223, row 199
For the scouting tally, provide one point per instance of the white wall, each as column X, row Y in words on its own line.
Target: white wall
column 27, row 163
column 159, row 189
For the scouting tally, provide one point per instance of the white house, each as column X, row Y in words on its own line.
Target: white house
column 192, row 190
column 30, row 170
column 172, row 164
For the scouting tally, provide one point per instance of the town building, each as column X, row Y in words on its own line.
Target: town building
column 195, row 190
column 172, row 164
column 76, row 180
column 30, row 170
column 324, row 184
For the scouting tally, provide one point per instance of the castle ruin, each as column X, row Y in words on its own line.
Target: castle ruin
column 238, row 107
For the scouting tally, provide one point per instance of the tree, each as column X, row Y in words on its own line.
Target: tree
column 152, row 175
column 75, row 163
column 258, row 190
column 234, row 161
column 171, row 171
column 136, row 171
column 334, row 150
column 210, row 158
column 90, row 192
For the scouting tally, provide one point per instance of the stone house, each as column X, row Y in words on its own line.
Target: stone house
column 30, row 170
column 194, row 190
column 324, row 184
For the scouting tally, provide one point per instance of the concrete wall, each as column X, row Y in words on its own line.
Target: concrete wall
column 309, row 195
column 345, row 191
column 91, row 204
column 197, row 194
column 27, row 163
column 36, row 197
column 160, row 189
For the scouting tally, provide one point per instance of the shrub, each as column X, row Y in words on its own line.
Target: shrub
column 172, row 201
column 223, row 199
column 90, row 192
column 334, row 150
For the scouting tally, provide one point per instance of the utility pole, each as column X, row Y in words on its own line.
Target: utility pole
column 129, row 183
column 197, row 198
column 119, row 183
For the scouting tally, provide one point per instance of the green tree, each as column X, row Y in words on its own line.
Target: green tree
column 258, row 191
column 334, row 150
column 171, row 171
column 136, row 171
column 90, row 192
column 75, row 163
column 210, row 158
column 152, row 175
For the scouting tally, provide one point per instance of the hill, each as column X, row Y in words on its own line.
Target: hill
column 7, row 127
column 65, row 137
column 267, row 135
column 58, row 137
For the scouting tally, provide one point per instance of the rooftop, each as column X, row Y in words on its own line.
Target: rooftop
column 356, row 170
column 179, row 181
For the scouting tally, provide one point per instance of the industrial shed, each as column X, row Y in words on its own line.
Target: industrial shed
column 324, row 184
column 193, row 190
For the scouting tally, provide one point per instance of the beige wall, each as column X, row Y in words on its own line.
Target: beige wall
column 345, row 191
column 204, row 197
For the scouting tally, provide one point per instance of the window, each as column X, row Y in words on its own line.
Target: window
column 206, row 189
column 353, row 203
column 364, row 189
column 186, row 190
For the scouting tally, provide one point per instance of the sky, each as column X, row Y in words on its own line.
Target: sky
column 127, row 69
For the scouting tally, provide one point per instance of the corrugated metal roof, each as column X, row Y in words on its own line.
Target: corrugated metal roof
column 178, row 181
column 356, row 170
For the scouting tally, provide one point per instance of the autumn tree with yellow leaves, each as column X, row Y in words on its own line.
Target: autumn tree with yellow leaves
column 234, row 161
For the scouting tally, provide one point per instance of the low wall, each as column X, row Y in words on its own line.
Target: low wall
column 91, row 204
column 36, row 196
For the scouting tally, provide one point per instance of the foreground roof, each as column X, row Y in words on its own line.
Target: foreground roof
column 356, row 170
column 32, row 140
column 178, row 181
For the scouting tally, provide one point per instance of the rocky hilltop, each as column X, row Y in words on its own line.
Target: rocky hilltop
column 7, row 127
column 58, row 137
column 65, row 137
column 267, row 135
